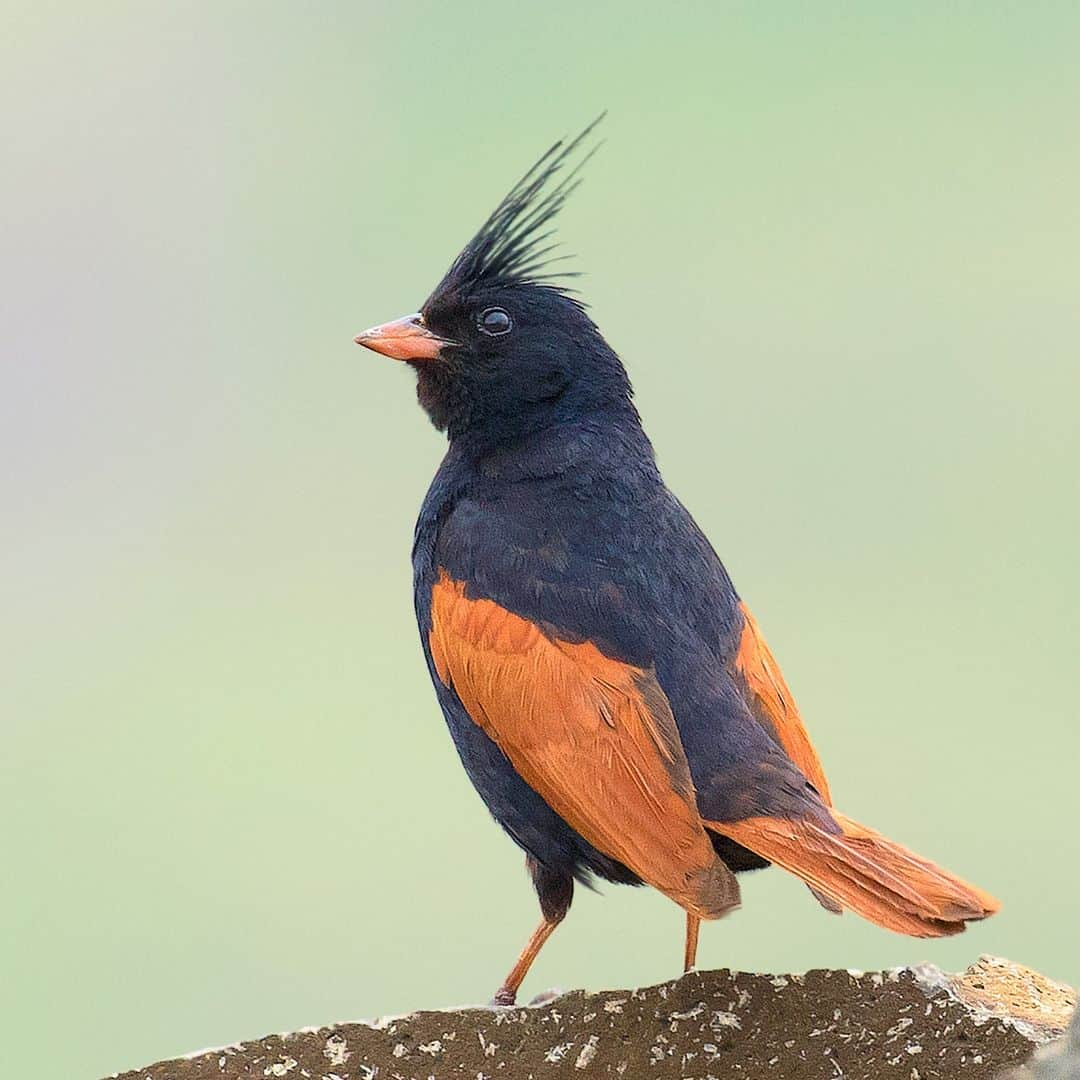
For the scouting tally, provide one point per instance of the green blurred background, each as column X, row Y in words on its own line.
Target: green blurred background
column 838, row 248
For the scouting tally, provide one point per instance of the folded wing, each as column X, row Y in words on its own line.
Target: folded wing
column 772, row 704
column 845, row 864
column 594, row 736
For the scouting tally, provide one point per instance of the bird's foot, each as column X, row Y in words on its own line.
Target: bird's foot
column 504, row 997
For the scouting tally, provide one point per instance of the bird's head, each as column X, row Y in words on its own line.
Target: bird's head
column 501, row 347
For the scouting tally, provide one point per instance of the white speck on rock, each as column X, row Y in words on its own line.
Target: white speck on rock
column 557, row 1053
column 615, row 1005
column 588, row 1052
column 336, row 1050
column 280, row 1068
column 434, row 1047
column 690, row 1014
column 725, row 1020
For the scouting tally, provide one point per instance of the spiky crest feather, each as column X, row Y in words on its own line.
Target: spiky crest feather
column 514, row 246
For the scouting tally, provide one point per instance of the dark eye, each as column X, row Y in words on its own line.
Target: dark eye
column 493, row 321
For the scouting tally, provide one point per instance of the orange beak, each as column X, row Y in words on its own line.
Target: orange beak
column 403, row 339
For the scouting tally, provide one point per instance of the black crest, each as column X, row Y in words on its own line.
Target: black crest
column 514, row 246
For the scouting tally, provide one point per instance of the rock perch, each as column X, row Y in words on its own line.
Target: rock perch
column 907, row 1024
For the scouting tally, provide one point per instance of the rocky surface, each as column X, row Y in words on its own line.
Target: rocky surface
column 908, row 1024
column 1057, row 1060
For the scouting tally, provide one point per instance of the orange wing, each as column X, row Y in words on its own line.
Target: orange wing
column 593, row 736
column 856, row 868
column 771, row 702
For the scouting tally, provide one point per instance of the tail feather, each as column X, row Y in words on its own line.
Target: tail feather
column 860, row 869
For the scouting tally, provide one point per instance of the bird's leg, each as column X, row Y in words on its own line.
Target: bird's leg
column 507, row 993
column 693, row 924
column 555, row 891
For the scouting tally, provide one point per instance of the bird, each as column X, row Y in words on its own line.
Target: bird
column 609, row 693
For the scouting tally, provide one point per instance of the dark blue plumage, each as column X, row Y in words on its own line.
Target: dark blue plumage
column 574, row 528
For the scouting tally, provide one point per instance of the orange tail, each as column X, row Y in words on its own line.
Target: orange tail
column 862, row 870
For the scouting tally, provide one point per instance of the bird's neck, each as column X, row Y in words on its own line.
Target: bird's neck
column 589, row 443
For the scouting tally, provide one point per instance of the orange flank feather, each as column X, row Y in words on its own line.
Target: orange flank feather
column 593, row 736
column 862, row 870
column 773, row 705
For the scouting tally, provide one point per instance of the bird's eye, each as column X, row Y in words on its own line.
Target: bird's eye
column 493, row 321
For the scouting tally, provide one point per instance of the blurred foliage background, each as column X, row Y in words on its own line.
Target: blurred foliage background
column 838, row 248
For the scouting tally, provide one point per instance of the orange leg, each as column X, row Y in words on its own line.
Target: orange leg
column 507, row 993
column 555, row 890
column 693, row 924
